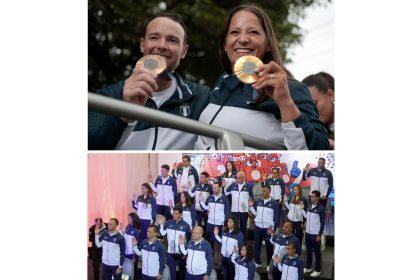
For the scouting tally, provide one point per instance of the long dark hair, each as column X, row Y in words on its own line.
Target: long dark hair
column 187, row 199
column 235, row 224
column 249, row 253
column 322, row 81
column 274, row 52
column 149, row 192
column 136, row 220
column 234, row 169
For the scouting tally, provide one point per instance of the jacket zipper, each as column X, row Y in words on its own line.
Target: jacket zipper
column 156, row 136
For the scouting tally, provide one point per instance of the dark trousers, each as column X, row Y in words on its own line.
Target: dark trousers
column 276, row 273
column 144, row 225
column 108, row 271
column 137, row 271
column 96, row 262
column 228, row 269
column 173, row 261
column 210, row 234
column 313, row 246
column 145, row 277
column 164, row 211
column 194, row 277
column 298, row 231
column 243, row 219
column 261, row 234
column 202, row 216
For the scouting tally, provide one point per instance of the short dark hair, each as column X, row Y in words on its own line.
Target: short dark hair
column 322, row 81
column 177, row 18
column 249, row 253
column 115, row 220
column 165, row 166
column 205, row 174
column 321, row 158
column 186, row 157
column 317, row 193
column 98, row 220
column 155, row 228
column 266, row 186
column 292, row 244
column 178, row 208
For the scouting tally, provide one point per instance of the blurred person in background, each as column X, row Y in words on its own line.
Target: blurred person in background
column 321, row 86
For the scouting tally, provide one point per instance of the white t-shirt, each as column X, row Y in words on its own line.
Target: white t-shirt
column 161, row 96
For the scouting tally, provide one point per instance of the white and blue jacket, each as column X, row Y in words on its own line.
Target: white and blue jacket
column 230, row 179
column 165, row 192
column 218, row 208
column 107, row 131
column 205, row 189
column 145, row 210
column 240, row 198
column 233, row 106
column 292, row 268
column 321, row 180
column 173, row 230
column 280, row 242
column 244, row 270
column 152, row 255
column 295, row 214
column 188, row 214
column 129, row 233
column 192, row 176
column 200, row 257
column 229, row 240
column 315, row 219
column 266, row 213
column 277, row 187
column 113, row 248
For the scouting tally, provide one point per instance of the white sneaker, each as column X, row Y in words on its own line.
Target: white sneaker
column 268, row 268
column 306, row 270
column 315, row 274
column 257, row 265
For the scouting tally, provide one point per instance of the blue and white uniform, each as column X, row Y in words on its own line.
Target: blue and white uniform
column 129, row 233
column 153, row 257
column 174, row 230
column 280, row 242
column 244, row 270
column 166, row 190
column 233, row 106
column 206, row 190
column 188, row 214
column 267, row 213
column 200, row 257
column 315, row 222
column 229, row 240
column 146, row 210
column 321, row 180
column 292, row 268
column 277, row 188
column 113, row 249
column 183, row 175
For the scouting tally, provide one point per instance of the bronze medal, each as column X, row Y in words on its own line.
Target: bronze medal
column 153, row 62
column 245, row 67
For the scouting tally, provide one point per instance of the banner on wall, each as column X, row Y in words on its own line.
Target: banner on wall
column 258, row 165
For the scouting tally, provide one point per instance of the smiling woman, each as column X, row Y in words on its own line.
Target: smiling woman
column 277, row 107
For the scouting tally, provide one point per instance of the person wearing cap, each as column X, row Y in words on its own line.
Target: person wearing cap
column 204, row 189
column 152, row 253
column 165, row 35
column 113, row 249
column 280, row 242
column 96, row 252
column 276, row 107
column 266, row 211
column 199, row 255
column 240, row 192
column 173, row 229
column 315, row 222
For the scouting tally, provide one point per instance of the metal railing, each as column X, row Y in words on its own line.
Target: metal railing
column 225, row 139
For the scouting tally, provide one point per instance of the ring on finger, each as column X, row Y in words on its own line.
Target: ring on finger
column 271, row 76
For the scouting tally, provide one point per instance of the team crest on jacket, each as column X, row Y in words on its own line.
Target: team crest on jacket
column 184, row 110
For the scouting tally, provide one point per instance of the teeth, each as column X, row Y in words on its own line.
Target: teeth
column 243, row 51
